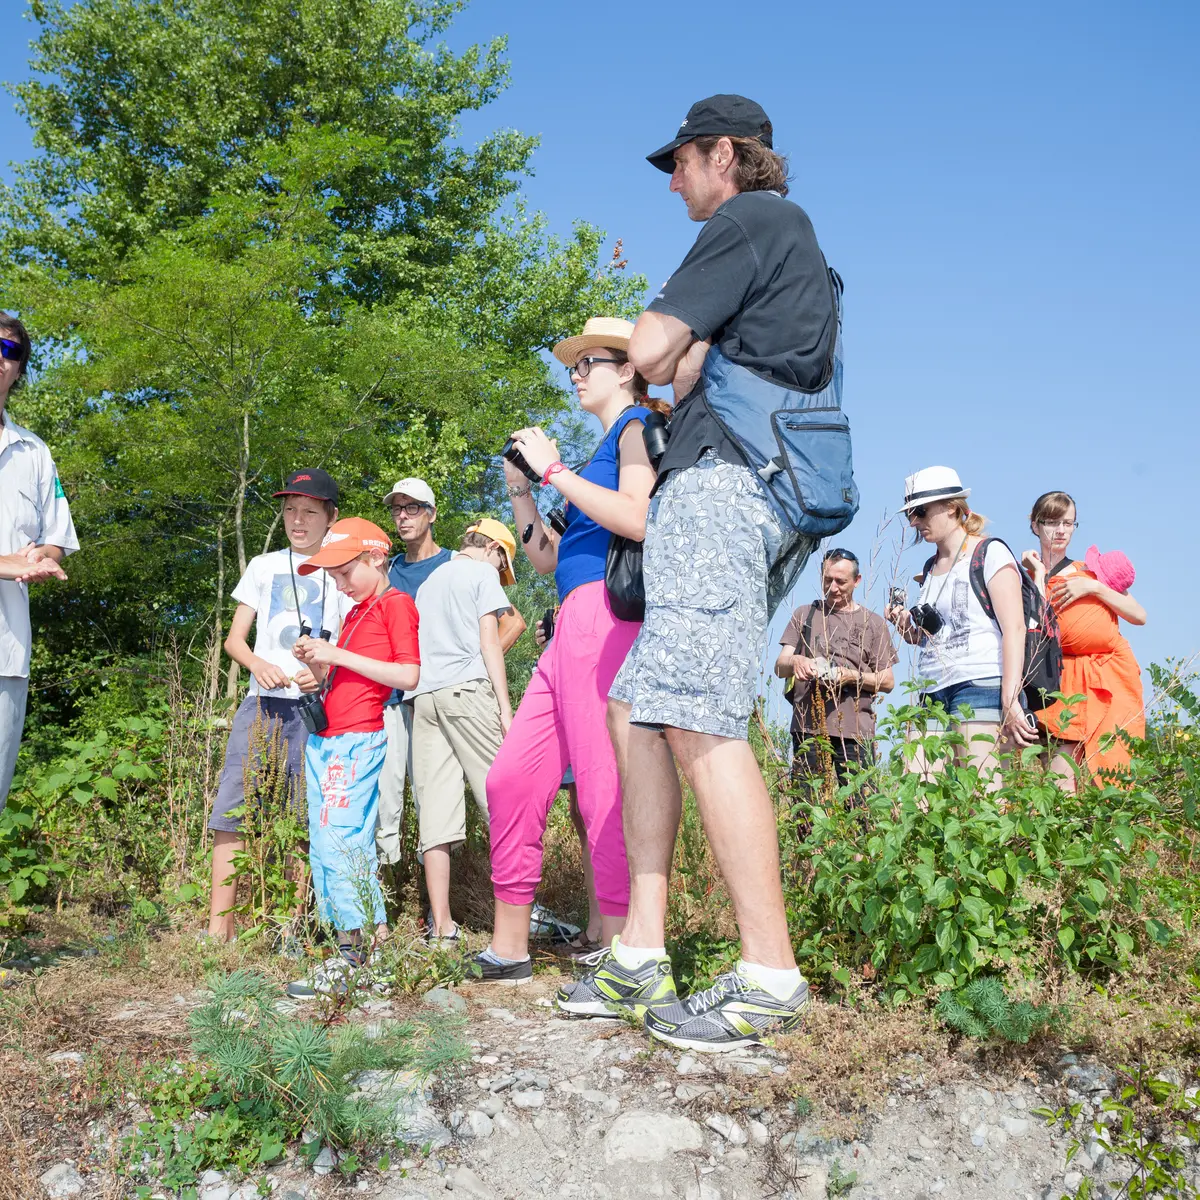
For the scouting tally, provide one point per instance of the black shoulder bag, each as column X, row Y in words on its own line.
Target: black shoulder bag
column 623, row 570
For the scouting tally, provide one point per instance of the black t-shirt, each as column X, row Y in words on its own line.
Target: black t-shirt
column 756, row 285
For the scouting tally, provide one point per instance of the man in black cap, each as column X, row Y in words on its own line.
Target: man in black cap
column 752, row 306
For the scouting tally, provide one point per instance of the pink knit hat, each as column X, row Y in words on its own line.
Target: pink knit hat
column 1112, row 568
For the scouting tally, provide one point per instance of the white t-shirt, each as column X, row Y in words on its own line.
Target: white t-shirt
column 33, row 508
column 267, row 587
column 968, row 645
column 450, row 604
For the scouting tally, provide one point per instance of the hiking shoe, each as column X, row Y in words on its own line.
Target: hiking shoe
column 483, row 970
column 550, row 926
column 730, row 1015
column 445, row 941
column 611, row 989
column 334, row 976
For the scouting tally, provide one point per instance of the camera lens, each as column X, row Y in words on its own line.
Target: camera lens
column 655, row 436
column 517, row 459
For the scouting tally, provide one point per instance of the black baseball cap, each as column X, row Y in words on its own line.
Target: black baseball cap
column 314, row 483
column 718, row 116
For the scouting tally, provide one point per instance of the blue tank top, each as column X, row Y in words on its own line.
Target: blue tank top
column 583, row 549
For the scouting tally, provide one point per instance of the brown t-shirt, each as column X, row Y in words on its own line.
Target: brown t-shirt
column 859, row 640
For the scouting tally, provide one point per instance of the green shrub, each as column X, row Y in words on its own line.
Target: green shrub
column 982, row 1010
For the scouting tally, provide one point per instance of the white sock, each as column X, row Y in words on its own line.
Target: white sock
column 632, row 957
column 781, row 984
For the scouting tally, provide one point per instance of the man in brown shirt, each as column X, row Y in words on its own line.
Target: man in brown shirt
column 840, row 656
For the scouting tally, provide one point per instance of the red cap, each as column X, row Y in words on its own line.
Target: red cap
column 344, row 542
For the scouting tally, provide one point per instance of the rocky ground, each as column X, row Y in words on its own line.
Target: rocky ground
column 556, row 1108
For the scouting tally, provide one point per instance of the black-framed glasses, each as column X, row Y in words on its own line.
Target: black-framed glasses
column 411, row 509
column 10, row 349
column 583, row 368
column 1059, row 524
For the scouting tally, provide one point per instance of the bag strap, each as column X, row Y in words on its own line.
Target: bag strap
column 806, row 630
column 1062, row 566
column 978, row 583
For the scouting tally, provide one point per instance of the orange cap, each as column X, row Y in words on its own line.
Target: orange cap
column 344, row 542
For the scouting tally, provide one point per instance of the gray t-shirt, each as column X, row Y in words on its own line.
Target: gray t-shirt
column 450, row 603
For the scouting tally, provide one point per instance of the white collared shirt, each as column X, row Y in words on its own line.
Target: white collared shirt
column 33, row 508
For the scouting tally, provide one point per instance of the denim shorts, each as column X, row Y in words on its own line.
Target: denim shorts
column 982, row 696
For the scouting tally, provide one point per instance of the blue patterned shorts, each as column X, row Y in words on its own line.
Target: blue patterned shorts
column 714, row 549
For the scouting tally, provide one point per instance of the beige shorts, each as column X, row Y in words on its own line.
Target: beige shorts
column 455, row 736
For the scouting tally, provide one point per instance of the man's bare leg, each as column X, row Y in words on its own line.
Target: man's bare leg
column 651, row 805
column 739, row 820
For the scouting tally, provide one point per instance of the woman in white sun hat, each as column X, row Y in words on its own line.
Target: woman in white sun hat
column 562, row 716
column 969, row 657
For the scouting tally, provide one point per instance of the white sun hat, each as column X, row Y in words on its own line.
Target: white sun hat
column 932, row 483
column 612, row 332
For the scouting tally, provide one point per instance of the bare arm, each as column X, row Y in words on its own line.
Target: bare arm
column 621, row 511
column 869, row 682
column 1123, row 604
column 320, row 655
column 493, row 661
column 18, row 568
column 783, row 664
column 1005, row 590
column 237, row 646
column 542, row 547
column 35, row 553
column 658, row 345
column 512, row 625
column 897, row 614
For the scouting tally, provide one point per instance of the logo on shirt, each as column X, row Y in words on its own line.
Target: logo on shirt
column 59, row 494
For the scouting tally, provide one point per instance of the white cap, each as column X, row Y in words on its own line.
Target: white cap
column 932, row 483
column 418, row 489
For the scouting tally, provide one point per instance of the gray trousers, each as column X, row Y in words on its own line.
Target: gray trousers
column 397, row 724
column 14, row 691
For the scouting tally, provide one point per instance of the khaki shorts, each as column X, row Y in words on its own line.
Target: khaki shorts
column 455, row 736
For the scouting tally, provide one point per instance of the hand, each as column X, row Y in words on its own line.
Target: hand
column 33, row 552
column 316, row 652
column 306, row 681
column 1066, row 589
column 897, row 615
column 268, row 675
column 848, row 677
column 539, row 635
column 41, row 570
column 1015, row 727
column 506, row 719
column 803, row 668
column 514, row 476
column 1031, row 560
column 538, row 449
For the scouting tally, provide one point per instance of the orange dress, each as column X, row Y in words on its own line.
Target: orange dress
column 1098, row 664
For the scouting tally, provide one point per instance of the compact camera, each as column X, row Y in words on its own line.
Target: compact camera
column 655, row 436
column 517, row 459
column 547, row 624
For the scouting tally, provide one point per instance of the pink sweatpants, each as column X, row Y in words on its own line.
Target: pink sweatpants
column 561, row 721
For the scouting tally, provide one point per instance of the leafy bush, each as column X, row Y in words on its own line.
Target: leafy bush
column 982, row 1010
column 934, row 880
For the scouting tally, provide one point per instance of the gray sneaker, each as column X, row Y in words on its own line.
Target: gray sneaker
column 732, row 1014
column 610, row 989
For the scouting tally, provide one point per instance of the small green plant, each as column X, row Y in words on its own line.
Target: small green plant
column 1146, row 1128
column 839, row 1181
column 982, row 1010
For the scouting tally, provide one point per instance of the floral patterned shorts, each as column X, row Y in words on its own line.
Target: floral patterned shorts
column 714, row 546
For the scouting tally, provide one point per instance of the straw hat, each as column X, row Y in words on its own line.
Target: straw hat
column 612, row 332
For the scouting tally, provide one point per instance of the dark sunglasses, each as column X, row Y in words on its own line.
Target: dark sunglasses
column 11, row 350
column 918, row 512
column 837, row 554
column 583, row 367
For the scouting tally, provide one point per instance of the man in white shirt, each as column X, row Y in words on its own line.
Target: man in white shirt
column 36, row 534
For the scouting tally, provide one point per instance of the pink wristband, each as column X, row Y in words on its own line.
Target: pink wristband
column 552, row 470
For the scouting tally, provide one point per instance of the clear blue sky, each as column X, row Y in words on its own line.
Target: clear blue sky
column 1010, row 193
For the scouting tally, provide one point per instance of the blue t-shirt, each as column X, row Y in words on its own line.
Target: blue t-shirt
column 583, row 550
column 406, row 577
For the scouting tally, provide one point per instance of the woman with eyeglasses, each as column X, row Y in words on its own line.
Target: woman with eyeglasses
column 1089, row 598
column 970, row 657
column 561, row 720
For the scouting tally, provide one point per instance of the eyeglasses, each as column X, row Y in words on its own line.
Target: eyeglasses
column 411, row 509
column 918, row 512
column 11, row 350
column 839, row 555
column 1059, row 524
column 583, row 368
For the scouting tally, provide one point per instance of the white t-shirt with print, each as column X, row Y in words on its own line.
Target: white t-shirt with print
column 968, row 645
column 272, row 587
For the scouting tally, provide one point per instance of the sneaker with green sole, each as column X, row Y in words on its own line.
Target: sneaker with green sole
column 610, row 989
column 732, row 1014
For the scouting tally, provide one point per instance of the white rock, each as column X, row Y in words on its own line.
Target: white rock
column 702, row 1189
column 979, row 1135
column 530, row 1098
column 926, row 1143
column 739, row 1156
column 503, row 1122
column 643, row 1136
column 616, row 1074
column 325, row 1162
column 66, row 1056
column 593, row 1096
column 217, row 1191
column 728, row 1128
column 464, row 1180
column 501, row 1014
column 61, row 1181
column 476, row 1124
column 997, row 1138
column 689, row 1066
column 1072, row 1180
column 690, row 1091
column 759, row 1134
column 1016, row 1127
column 491, row 1105
column 210, row 1177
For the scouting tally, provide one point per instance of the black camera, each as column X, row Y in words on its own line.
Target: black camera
column 517, row 459
column 558, row 521
column 655, row 436
column 547, row 624
column 926, row 618
column 306, row 631
column 312, row 712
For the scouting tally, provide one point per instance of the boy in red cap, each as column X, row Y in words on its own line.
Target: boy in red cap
column 376, row 653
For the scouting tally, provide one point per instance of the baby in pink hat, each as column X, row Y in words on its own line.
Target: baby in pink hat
column 1112, row 568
